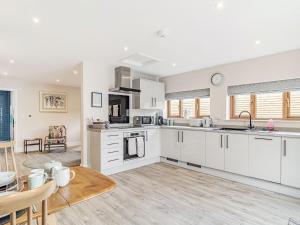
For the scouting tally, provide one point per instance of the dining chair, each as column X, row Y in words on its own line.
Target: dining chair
column 10, row 204
column 9, row 145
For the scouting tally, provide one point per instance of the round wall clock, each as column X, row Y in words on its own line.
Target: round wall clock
column 216, row 79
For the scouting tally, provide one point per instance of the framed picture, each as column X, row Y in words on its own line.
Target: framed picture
column 96, row 99
column 53, row 102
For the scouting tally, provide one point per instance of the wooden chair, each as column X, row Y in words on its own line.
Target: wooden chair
column 6, row 146
column 10, row 204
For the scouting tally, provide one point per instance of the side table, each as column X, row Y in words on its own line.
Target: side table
column 33, row 141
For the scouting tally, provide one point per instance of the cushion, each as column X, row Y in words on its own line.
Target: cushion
column 57, row 131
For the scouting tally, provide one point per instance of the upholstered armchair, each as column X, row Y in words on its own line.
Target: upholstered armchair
column 57, row 137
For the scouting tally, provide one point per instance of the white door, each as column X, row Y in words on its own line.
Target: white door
column 170, row 143
column 193, row 147
column 152, row 143
column 237, row 154
column 265, row 157
column 159, row 95
column 214, row 153
column 290, row 173
column 146, row 98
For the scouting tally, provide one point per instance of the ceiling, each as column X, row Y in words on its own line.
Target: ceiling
column 198, row 34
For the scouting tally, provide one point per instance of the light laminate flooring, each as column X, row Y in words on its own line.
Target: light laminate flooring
column 167, row 195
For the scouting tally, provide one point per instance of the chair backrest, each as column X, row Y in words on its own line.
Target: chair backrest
column 57, row 131
column 9, row 145
column 10, row 204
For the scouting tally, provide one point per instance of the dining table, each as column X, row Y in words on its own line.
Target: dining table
column 88, row 183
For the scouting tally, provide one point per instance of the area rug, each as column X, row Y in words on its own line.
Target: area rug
column 72, row 157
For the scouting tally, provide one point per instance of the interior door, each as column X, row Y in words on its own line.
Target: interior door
column 4, row 115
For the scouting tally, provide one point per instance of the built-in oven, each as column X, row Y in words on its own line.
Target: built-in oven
column 134, row 145
column 143, row 120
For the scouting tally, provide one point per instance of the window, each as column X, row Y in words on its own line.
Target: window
column 194, row 107
column 274, row 105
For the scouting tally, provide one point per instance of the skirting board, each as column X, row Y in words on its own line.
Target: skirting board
column 270, row 186
column 131, row 164
column 20, row 148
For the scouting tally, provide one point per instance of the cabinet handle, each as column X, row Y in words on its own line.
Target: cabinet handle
column 227, row 141
column 113, row 135
column 284, row 148
column 112, row 160
column 155, row 101
column 182, row 136
column 221, row 140
column 266, row 139
column 152, row 100
column 146, row 135
column 113, row 143
column 112, row 152
column 177, row 136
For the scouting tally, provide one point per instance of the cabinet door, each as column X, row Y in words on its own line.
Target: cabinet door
column 152, row 143
column 193, row 147
column 237, row 154
column 146, row 98
column 290, row 173
column 159, row 95
column 170, row 145
column 214, row 153
column 265, row 157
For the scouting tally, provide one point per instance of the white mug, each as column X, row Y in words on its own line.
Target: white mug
column 62, row 176
column 36, row 180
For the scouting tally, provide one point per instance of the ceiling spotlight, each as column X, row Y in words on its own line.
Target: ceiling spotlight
column 257, row 42
column 11, row 61
column 173, row 64
column 5, row 74
column 57, row 80
column 220, row 5
column 125, row 48
column 35, row 20
column 75, row 72
column 162, row 34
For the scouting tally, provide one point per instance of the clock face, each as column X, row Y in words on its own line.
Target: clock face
column 216, row 79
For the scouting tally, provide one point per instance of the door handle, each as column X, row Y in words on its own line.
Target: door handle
column 221, row 140
column 227, row 141
column 284, row 148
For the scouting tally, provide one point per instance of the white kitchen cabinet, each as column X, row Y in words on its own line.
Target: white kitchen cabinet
column 236, row 153
column 152, row 94
column 193, row 147
column 214, row 153
column 290, row 172
column 152, row 143
column 170, row 143
column 265, row 157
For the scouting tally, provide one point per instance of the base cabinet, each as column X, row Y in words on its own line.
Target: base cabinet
column 170, row 143
column 215, row 151
column 193, row 147
column 290, row 173
column 265, row 157
column 152, row 143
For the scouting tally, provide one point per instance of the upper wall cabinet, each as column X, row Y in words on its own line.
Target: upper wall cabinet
column 152, row 94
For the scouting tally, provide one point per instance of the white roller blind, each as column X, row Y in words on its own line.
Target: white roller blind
column 273, row 86
column 294, row 103
column 241, row 103
column 269, row 105
column 188, row 94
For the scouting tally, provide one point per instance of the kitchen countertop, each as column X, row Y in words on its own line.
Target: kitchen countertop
column 212, row 129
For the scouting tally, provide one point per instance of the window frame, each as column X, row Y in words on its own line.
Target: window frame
column 197, row 109
column 285, row 108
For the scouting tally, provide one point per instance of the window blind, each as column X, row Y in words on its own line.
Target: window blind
column 273, row 86
column 269, row 105
column 188, row 94
column 294, row 103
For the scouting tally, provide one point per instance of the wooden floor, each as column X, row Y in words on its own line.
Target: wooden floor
column 166, row 195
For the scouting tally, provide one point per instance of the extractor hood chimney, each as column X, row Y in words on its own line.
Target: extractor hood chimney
column 123, row 81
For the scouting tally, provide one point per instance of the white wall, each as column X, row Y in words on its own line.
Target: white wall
column 269, row 68
column 27, row 103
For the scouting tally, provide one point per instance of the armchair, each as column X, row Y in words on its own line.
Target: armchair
column 57, row 137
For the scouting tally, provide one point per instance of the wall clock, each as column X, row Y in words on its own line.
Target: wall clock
column 216, row 79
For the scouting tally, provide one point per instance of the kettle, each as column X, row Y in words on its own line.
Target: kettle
column 160, row 120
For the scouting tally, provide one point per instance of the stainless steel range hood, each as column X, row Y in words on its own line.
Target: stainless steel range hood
column 123, row 81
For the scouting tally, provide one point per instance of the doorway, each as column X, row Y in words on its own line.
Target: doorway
column 5, row 115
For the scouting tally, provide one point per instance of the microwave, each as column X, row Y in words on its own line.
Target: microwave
column 143, row 120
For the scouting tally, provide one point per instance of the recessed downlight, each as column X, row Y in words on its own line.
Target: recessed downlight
column 35, row 20
column 125, row 48
column 75, row 72
column 173, row 64
column 11, row 61
column 57, row 80
column 258, row 42
column 220, row 5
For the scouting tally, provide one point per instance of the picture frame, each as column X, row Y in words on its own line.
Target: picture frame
column 96, row 99
column 53, row 102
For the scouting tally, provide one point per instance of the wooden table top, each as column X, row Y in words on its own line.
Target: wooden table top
column 88, row 183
